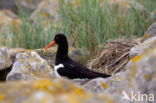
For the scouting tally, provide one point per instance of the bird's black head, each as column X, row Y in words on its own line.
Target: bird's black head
column 59, row 39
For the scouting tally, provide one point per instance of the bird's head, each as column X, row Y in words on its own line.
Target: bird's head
column 59, row 39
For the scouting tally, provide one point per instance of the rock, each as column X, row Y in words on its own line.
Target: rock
column 5, row 60
column 138, row 79
column 8, row 18
column 48, row 55
column 47, row 9
column 28, row 6
column 29, row 66
column 147, row 45
column 48, row 91
column 153, row 15
column 9, row 5
column 14, row 51
column 125, row 5
column 151, row 31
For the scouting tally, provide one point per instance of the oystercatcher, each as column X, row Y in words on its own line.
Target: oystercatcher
column 65, row 66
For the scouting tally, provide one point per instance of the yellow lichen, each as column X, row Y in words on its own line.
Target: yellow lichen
column 137, row 58
column 2, row 97
column 28, row 51
column 133, row 71
column 80, row 92
column 148, row 36
column 117, row 78
column 71, row 98
column 145, row 76
column 107, row 98
column 42, row 84
column 104, row 85
column 46, row 15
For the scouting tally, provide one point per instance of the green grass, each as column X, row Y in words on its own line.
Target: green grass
column 87, row 26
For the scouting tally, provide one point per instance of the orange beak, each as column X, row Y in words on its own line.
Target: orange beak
column 51, row 44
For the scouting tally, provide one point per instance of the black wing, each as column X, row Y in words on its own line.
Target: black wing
column 75, row 70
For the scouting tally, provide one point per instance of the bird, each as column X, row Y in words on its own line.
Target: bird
column 65, row 66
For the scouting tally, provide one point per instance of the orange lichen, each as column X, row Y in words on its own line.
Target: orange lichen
column 137, row 58
column 104, row 85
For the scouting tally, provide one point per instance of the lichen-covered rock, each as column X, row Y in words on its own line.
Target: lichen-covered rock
column 48, row 55
column 151, row 31
column 28, row 66
column 143, row 47
column 125, row 5
column 8, row 18
column 153, row 15
column 48, row 91
column 5, row 60
column 138, row 79
column 47, row 9
column 27, row 5
column 9, row 5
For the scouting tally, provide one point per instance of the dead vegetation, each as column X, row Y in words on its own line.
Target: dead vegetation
column 114, row 56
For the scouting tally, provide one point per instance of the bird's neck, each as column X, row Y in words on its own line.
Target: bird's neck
column 62, row 51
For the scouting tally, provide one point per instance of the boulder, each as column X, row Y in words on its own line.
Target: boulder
column 48, row 55
column 151, row 31
column 24, row 58
column 5, row 60
column 9, row 5
column 8, row 18
column 47, row 9
column 125, row 5
column 48, row 91
column 26, row 5
column 147, row 45
column 153, row 15
column 137, row 79
column 5, row 63
column 28, row 66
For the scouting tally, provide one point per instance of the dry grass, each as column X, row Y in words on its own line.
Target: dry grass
column 114, row 56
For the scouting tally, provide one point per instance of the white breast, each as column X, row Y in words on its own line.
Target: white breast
column 56, row 67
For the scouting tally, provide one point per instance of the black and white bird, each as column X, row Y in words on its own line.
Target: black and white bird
column 65, row 66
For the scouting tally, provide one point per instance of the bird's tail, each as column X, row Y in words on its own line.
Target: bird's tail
column 96, row 75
